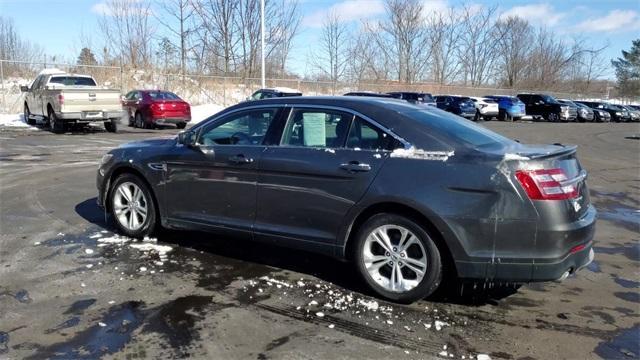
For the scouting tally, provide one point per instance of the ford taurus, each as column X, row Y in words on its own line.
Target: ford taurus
column 405, row 192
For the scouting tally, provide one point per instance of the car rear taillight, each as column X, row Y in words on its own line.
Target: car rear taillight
column 61, row 99
column 156, row 108
column 547, row 184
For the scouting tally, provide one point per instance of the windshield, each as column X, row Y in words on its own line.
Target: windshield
column 457, row 128
column 72, row 81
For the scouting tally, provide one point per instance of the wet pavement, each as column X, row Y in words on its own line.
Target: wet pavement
column 71, row 288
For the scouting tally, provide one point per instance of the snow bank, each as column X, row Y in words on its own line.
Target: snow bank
column 14, row 121
column 202, row 112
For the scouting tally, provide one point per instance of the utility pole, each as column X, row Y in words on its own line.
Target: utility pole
column 262, row 41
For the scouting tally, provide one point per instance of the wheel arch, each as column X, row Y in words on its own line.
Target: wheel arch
column 348, row 250
column 126, row 169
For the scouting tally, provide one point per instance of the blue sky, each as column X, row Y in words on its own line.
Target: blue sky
column 57, row 24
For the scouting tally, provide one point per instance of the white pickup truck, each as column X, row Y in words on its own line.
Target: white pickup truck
column 59, row 99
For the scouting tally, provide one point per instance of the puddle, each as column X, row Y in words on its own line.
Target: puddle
column 4, row 342
column 618, row 207
column 20, row 295
column 628, row 296
column 594, row 266
column 65, row 325
column 629, row 284
column 78, row 307
column 97, row 341
column 176, row 321
column 625, row 345
column 630, row 251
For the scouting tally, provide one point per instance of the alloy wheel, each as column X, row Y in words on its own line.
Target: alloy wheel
column 130, row 206
column 394, row 258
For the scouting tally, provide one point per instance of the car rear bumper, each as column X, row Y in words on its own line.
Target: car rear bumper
column 170, row 120
column 575, row 241
column 90, row 116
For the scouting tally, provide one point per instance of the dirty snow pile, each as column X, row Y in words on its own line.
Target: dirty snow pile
column 148, row 246
column 14, row 121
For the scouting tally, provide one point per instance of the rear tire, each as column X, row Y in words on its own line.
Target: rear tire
column 111, row 126
column 181, row 125
column 130, row 198
column 418, row 265
column 55, row 125
column 505, row 116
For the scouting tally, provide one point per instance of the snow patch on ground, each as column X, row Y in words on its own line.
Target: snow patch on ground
column 14, row 121
column 419, row 154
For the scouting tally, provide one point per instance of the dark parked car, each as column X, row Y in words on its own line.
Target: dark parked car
column 510, row 108
column 584, row 113
column 338, row 175
column 617, row 114
column 459, row 105
column 414, row 97
column 148, row 108
column 367, row 93
column 548, row 108
column 273, row 93
column 634, row 114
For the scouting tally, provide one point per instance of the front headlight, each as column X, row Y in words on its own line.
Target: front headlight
column 105, row 158
column 618, row 113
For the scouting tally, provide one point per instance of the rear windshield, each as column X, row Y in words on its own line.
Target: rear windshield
column 162, row 95
column 72, row 81
column 458, row 128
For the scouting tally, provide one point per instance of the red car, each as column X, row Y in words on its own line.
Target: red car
column 148, row 108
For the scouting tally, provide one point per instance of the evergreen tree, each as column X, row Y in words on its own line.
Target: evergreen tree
column 628, row 70
column 86, row 57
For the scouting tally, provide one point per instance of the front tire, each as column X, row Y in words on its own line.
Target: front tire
column 552, row 117
column 477, row 117
column 397, row 258
column 132, row 206
column 27, row 116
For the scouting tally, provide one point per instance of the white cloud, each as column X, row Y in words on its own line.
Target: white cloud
column 613, row 21
column 348, row 10
column 541, row 13
column 101, row 9
column 434, row 7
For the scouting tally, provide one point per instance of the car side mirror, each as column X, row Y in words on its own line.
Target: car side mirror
column 187, row 138
column 24, row 88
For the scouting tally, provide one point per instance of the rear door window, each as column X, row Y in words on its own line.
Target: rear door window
column 366, row 136
column 316, row 128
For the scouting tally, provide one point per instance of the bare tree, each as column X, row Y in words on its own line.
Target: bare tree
column 331, row 59
column 401, row 38
column 217, row 31
column 514, row 45
column 180, row 13
column 127, row 30
column 478, row 43
column 444, row 38
column 282, row 33
column 12, row 47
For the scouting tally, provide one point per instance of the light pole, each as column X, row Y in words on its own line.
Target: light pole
column 262, row 42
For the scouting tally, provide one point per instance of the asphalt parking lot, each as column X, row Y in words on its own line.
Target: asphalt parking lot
column 69, row 288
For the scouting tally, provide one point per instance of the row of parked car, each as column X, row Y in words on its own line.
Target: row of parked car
column 60, row 100
column 501, row 107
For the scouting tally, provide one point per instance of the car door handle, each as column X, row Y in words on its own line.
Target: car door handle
column 354, row 166
column 240, row 159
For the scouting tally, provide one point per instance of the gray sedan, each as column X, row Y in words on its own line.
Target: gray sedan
column 408, row 194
